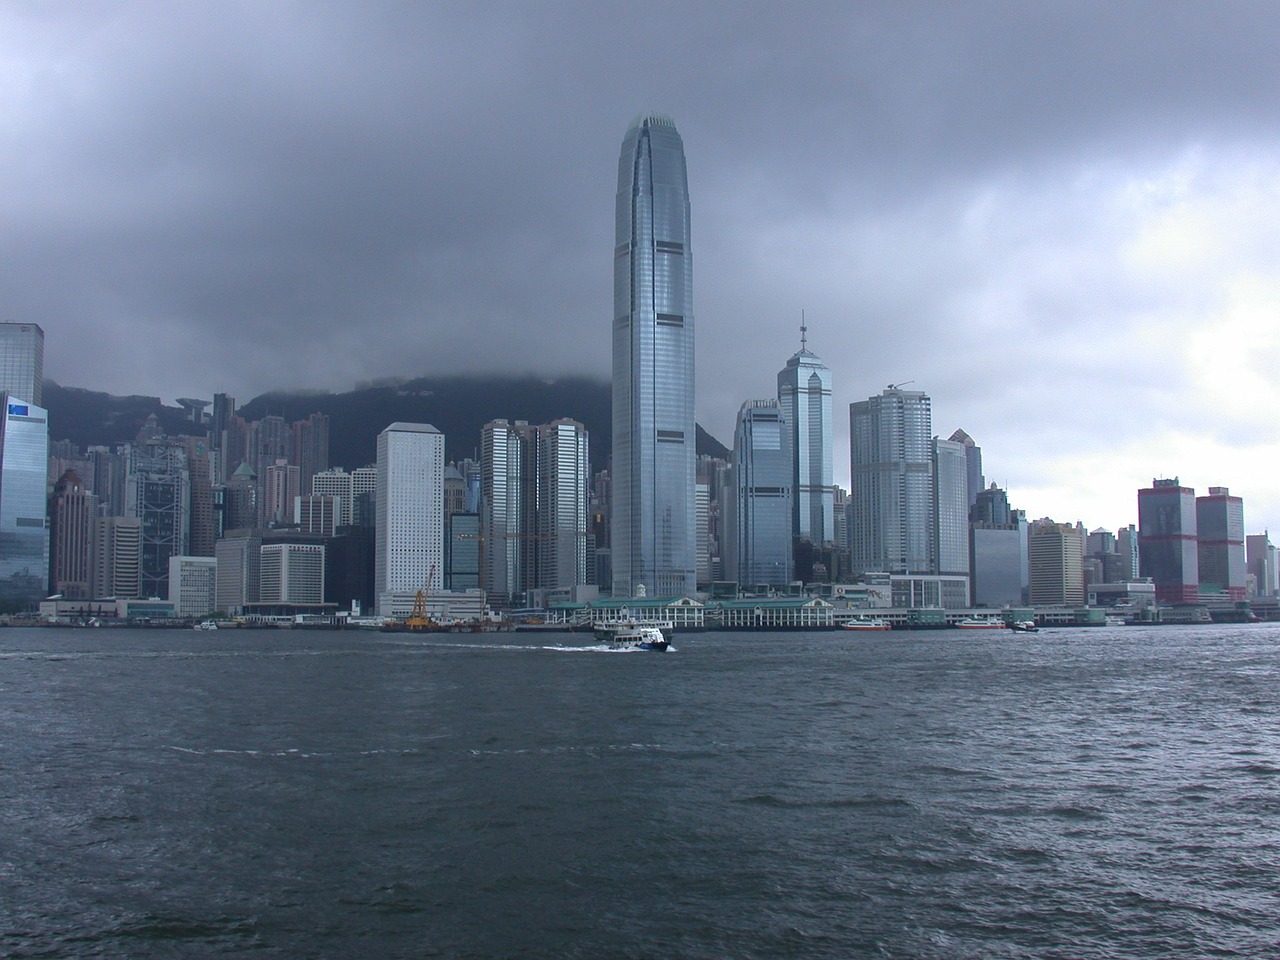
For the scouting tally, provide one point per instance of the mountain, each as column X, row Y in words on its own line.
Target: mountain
column 457, row 406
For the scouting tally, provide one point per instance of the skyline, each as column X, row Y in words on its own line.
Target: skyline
column 1058, row 222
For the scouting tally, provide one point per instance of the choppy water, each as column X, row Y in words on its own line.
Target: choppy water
column 1090, row 793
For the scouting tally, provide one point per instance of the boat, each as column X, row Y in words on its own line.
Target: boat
column 1024, row 626
column 1114, row 621
column 866, row 623
column 206, row 625
column 606, row 630
column 638, row 638
column 981, row 623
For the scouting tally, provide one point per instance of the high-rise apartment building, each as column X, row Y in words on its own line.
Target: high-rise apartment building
column 804, row 397
column 1220, row 547
column 24, row 533
column 891, row 484
column 1167, row 543
column 410, row 512
column 762, row 470
column 563, row 506
column 653, row 528
column 22, row 362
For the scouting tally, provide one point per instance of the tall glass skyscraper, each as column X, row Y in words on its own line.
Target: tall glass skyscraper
column 24, row 536
column 762, row 470
column 22, row 361
column 891, row 488
column 653, row 525
column 804, row 394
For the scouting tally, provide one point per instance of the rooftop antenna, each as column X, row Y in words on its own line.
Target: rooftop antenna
column 803, row 331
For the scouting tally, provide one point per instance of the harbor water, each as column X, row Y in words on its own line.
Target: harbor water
column 1087, row 793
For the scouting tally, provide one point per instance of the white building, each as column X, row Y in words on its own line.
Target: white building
column 410, row 512
column 292, row 573
column 192, row 584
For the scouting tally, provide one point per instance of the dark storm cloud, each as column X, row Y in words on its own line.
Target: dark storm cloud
column 259, row 195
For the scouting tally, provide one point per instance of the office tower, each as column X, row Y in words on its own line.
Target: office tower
column 455, row 491
column 804, row 396
column 652, row 535
column 364, row 505
column 117, row 562
column 240, row 500
column 1055, row 553
column 283, row 486
column 193, row 585
column 562, row 506
column 22, row 362
column 72, row 511
column 158, row 492
column 291, row 573
column 1260, row 556
column 762, row 471
column 317, row 513
column 950, row 521
column 702, row 518
column 462, row 551
column 1220, row 547
column 508, row 482
column 1167, row 548
column 998, row 564
column 973, row 465
column 336, row 482
column 204, row 525
column 891, row 483
column 239, row 559
column 410, row 512
column 24, row 535
column 1127, row 548
column 310, row 448
column 348, row 569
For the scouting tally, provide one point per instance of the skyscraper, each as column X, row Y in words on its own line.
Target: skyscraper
column 653, row 424
column 22, row 361
column 410, row 512
column 804, row 395
column 762, row 470
column 1220, row 550
column 24, row 535
column 891, row 483
column 1167, row 540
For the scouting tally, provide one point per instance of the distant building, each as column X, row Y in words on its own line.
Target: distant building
column 950, row 521
column 974, row 482
column 22, row 362
column 316, row 513
column 998, row 559
column 804, row 397
column 158, row 492
column 1260, row 556
column 192, row 585
column 1220, row 546
column 891, row 484
column 1167, row 541
column 292, row 573
column 762, row 470
column 117, row 564
column 1055, row 554
column 72, row 511
column 410, row 512
column 238, row 580
column 24, row 534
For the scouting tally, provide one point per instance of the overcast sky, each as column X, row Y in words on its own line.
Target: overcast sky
column 1060, row 220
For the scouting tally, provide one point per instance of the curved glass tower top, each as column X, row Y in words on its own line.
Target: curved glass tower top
column 652, row 529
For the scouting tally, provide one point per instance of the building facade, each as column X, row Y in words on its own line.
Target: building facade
column 950, row 533
column 1055, row 558
column 22, row 362
column 193, row 585
column 654, row 441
